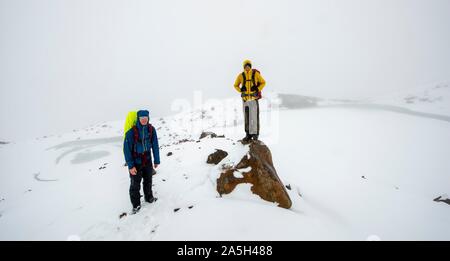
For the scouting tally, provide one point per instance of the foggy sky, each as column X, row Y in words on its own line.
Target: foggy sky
column 65, row 64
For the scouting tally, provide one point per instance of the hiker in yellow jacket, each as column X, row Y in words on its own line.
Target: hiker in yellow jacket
column 250, row 84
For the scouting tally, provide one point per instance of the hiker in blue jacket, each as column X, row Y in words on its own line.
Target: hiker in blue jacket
column 138, row 144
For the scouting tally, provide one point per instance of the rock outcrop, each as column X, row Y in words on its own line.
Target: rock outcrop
column 257, row 169
column 444, row 198
column 206, row 134
column 216, row 157
column 210, row 134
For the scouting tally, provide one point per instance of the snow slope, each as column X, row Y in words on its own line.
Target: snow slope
column 424, row 99
column 355, row 173
column 427, row 101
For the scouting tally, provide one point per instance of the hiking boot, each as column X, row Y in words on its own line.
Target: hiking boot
column 151, row 200
column 135, row 210
column 247, row 138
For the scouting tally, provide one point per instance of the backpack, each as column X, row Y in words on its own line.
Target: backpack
column 130, row 121
column 258, row 94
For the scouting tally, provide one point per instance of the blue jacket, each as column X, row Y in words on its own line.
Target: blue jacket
column 143, row 145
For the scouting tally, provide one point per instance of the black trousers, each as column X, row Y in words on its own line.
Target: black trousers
column 145, row 174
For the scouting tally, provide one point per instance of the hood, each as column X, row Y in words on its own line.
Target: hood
column 142, row 113
column 247, row 62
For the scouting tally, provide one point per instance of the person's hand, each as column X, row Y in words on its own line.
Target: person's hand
column 133, row 171
column 155, row 166
column 243, row 89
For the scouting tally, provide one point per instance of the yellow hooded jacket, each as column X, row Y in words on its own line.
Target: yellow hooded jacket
column 259, row 80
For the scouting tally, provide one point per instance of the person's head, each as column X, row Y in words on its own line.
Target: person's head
column 247, row 65
column 143, row 117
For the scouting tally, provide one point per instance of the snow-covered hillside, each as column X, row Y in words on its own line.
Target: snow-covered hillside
column 354, row 173
column 434, row 100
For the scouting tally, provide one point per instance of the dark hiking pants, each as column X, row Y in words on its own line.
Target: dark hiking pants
column 145, row 174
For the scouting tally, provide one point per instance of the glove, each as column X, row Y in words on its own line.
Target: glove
column 254, row 89
column 243, row 89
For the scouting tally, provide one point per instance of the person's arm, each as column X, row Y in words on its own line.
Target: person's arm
column 261, row 81
column 155, row 147
column 237, row 82
column 128, row 149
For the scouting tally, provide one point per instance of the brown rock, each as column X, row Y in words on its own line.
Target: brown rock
column 207, row 133
column 263, row 176
column 211, row 134
column 216, row 157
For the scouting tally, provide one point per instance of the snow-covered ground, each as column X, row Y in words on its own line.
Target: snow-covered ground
column 355, row 173
column 434, row 100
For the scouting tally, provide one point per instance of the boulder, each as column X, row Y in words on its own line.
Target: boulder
column 210, row 134
column 216, row 157
column 443, row 198
column 260, row 172
column 207, row 133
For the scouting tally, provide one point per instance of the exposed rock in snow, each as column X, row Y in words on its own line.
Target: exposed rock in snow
column 261, row 174
column 208, row 134
column 216, row 157
column 443, row 198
